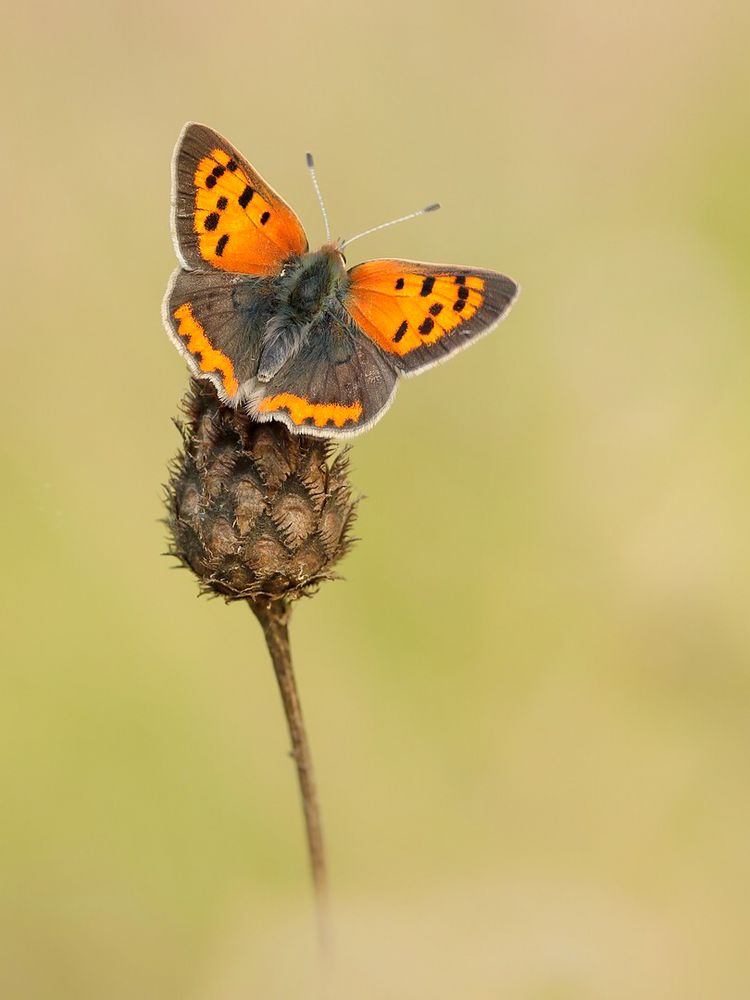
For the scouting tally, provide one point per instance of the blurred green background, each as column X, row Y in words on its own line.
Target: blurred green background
column 529, row 700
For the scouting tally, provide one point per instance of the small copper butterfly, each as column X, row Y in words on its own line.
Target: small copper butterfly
column 292, row 335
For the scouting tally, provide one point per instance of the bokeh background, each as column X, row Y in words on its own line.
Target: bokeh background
column 529, row 700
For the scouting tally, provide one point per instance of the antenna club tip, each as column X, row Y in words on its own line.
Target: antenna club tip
column 309, row 158
column 433, row 208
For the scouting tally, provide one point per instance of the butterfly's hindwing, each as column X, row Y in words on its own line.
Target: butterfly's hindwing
column 224, row 215
column 217, row 321
column 337, row 385
column 419, row 314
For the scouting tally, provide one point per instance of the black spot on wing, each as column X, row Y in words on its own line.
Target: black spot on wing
column 210, row 181
column 427, row 284
column 463, row 292
column 246, row 197
column 426, row 326
column 436, row 309
column 222, row 203
column 264, row 218
column 211, row 221
column 399, row 284
column 400, row 332
column 223, row 240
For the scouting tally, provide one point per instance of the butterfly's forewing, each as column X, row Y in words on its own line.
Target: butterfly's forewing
column 224, row 215
column 216, row 320
column 418, row 314
column 338, row 385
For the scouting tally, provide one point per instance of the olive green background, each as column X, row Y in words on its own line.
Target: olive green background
column 529, row 700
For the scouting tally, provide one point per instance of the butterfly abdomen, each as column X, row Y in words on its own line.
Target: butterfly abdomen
column 282, row 339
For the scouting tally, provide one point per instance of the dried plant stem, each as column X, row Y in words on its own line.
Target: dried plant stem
column 274, row 619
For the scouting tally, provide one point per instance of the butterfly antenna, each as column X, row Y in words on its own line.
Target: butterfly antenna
column 393, row 222
column 311, row 168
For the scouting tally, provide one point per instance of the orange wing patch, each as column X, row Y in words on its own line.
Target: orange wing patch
column 206, row 357
column 238, row 228
column 403, row 310
column 301, row 409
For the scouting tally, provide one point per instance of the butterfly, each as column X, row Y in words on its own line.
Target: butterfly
column 292, row 335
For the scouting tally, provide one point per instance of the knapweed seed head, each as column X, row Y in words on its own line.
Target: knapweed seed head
column 254, row 511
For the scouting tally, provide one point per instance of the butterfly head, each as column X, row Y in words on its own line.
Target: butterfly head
column 335, row 250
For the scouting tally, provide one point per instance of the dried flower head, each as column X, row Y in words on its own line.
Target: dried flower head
column 254, row 511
